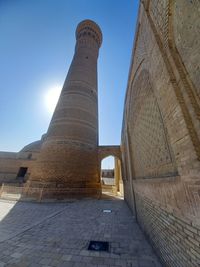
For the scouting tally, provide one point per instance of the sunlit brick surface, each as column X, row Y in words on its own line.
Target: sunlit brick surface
column 69, row 154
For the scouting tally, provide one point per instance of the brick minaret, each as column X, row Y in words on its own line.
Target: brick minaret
column 69, row 155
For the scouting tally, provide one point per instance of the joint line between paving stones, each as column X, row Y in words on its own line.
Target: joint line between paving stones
column 37, row 223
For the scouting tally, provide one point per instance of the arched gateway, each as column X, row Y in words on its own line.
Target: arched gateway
column 105, row 151
column 115, row 151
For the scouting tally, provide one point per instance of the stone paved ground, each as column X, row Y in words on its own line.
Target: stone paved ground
column 57, row 234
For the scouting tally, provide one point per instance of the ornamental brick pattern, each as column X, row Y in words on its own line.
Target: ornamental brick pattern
column 148, row 132
column 161, row 129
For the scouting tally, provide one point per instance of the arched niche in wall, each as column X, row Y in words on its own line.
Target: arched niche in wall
column 152, row 154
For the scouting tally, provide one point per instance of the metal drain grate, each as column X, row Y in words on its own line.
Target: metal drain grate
column 107, row 211
column 98, row 246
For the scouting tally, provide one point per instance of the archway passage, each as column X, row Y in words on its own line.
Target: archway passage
column 107, row 171
column 111, row 175
column 105, row 151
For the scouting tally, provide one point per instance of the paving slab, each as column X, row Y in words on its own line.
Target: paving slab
column 58, row 234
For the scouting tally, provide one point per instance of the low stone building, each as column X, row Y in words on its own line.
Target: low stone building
column 15, row 167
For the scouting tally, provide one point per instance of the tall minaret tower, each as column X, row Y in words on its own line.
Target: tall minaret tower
column 69, row 155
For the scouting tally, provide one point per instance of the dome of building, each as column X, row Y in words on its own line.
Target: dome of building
column 32, row 147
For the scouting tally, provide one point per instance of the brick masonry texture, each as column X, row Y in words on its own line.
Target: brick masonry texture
column 177, row 239
column 161, row 129
column 69, row 153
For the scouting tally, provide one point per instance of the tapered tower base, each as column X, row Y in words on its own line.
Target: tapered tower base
column 62, row 191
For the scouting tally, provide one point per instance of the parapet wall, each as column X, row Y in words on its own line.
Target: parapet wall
column 161, row 129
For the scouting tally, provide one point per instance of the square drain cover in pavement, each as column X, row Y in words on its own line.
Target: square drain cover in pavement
column 98, row 246
column 107, row 211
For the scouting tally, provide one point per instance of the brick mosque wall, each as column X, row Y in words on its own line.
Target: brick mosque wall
column 176, row 238
column 10, row 163
column 8, row 166
column 161, row 129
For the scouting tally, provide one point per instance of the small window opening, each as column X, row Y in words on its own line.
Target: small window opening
column 21, row 174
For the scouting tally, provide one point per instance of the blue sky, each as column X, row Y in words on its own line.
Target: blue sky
column 36, row 49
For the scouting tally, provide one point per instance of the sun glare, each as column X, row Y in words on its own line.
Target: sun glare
column 51, row 98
